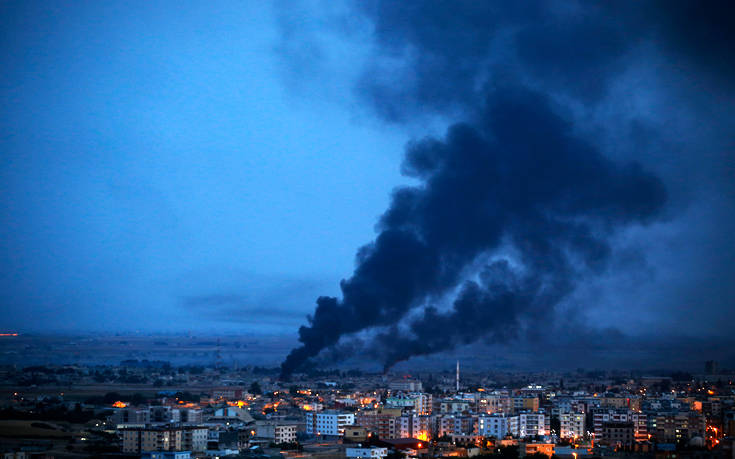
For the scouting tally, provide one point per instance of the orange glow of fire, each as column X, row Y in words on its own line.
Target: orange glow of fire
column 8, row 334
column 238, row 403
column 423, row 436
column 274, row 406
column 187, row 405
column 119, row 404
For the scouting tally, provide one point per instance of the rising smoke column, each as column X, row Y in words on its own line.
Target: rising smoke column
column 647, row 77
column 515, row 180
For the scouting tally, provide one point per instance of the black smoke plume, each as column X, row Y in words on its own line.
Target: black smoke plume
column 515, row 190
column 512, row 211
column 438, row 56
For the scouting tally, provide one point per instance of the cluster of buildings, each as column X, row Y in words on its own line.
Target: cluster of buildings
column 639, row 415
column 220, row 425
column 431, row 415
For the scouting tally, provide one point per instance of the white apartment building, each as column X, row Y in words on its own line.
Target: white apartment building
column 572, row 425
column 413, row 426
column 527, row 425
column 364, row 453
column 601, row 415
column 330, row 422
column 492, row 426
column 195, row 439
column 278, row 432
column 453, row 424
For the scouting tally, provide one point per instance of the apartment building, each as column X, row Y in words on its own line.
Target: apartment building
column 330, row 422
column 492, row 426
column 572, row 425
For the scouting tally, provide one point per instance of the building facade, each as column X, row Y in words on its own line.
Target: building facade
column 278, row 432
column 136, row 440
column 195, row 439
column 329, row 422
column 492, row 426
column 639, row 420
column 572, row 425
column 527, row 425
column 618, row 435
column 366, row 453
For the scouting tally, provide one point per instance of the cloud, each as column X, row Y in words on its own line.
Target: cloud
column 272, row 300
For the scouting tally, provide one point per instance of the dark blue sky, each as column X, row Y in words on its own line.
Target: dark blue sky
column 216, row 166
column 151, row 154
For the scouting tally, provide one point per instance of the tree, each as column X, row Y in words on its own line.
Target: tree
column 555, row 424
column 508, row 452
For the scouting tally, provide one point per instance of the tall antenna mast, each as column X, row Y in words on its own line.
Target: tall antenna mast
column 457, row 376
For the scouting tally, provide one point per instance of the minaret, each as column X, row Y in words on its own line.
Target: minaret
column 457, row 376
